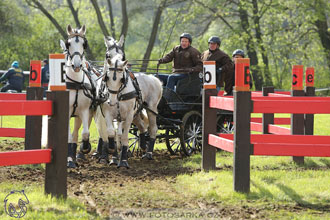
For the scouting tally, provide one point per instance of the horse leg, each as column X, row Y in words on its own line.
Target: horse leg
column 110, row 134
column 114, row 143
column 142, row 126
column 85, row 147
column 102, row 130
column 72, row 143
column 152, row 131
column 124, row 141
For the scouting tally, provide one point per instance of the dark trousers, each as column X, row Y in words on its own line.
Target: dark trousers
column 9, row 87
column 174, row 78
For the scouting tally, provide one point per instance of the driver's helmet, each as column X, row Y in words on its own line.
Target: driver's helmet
column 186, row 35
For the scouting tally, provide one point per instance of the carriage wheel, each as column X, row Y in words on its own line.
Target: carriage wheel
column 133, row 142
column 225, row 124
column 191, row 132
column 172, row 140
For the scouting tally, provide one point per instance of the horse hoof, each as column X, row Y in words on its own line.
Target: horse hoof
column 85, row 147
column 147, row 156
column 113, row 161
column 71, row 164
column 123, row 163
column 96, row 155
column 103, row 161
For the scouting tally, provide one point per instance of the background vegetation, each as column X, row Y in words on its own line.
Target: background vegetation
column 276, row 34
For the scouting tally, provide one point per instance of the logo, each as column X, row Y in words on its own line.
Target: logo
column 15, row 204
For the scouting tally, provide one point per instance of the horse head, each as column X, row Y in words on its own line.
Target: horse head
column 115, row 77
column 114, row 48
column 74, row 46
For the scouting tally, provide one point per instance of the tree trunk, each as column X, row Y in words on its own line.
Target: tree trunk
column 74, row 12
column 268, row 79
column 252, row 53
column 152, row 37
column 124, row 27
column 99, row 18
column 322, row 29
column 112, row 22
column 38, row 5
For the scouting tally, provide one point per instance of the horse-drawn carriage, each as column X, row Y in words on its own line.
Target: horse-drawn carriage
column 177, row 115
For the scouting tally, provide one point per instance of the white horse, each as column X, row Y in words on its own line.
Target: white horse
column 128, row 95
column 80, row 88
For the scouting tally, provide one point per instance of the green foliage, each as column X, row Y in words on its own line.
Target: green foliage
column 288, row 32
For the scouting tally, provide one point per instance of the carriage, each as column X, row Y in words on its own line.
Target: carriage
column 179, row 117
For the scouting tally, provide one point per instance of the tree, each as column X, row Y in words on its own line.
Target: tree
column 153, row 35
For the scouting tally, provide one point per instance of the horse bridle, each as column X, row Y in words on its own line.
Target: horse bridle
column 117, row 47
column 124, row 80
column 76, row 35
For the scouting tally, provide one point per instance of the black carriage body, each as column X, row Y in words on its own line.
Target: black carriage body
column 180, row 115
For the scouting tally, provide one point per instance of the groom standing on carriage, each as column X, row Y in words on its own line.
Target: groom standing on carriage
column 186, row 59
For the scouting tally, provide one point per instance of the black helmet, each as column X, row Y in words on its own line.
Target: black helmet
column 239, row 52
column 186, row 35
column 214, row 39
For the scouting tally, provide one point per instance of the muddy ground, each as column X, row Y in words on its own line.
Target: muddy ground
column 94, row 184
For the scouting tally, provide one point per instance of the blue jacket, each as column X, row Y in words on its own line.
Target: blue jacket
column 45, row 74
column 15, row 78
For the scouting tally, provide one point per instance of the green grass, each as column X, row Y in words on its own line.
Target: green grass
column 274, row 180
column 43, row 207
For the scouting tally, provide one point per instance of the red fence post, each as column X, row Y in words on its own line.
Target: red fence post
column 267, row 118
column 209, row 116
column 242, row 118
column 297, row 120
column 33, row 124
column 309, row 91
column 56, row 171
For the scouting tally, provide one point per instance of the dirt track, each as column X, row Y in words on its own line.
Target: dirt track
column 96, row 185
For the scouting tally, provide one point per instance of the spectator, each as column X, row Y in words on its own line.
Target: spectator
column 224, row 65
column 14, row 77
column 45, row 75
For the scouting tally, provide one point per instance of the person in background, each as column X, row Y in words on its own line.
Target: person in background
column 14, row 77
column 186, row 59
column 224, row 65
column 45, row 75
column 240, row 54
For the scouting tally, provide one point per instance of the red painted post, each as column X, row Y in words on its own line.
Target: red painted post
column 242, row 118
column 297, row 120
column 35, row 73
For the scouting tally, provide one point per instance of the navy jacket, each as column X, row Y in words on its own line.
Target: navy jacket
column 45, row 74
column 15, row 78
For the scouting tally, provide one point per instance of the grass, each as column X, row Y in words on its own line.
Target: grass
column 43, row 207
column 280, row 189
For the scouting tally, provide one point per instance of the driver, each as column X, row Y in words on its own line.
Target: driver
column 186, row 59
column 15, row 78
